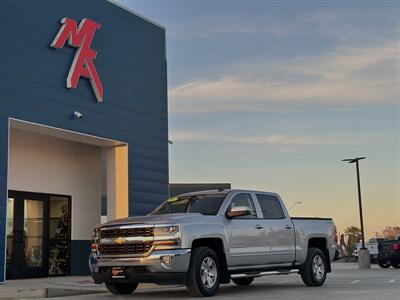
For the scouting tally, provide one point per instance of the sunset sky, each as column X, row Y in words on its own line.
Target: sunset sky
column 271, row 95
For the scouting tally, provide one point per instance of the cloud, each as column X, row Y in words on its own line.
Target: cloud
column 271, row 30
column 345, row 77
column 276, row 139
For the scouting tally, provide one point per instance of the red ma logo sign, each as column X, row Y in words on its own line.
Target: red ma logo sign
column 82, row 66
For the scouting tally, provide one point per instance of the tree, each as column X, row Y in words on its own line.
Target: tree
column 59, row 255
column 391, row 232
column 352, row 236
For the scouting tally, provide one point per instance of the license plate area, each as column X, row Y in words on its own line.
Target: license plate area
column 118, row 273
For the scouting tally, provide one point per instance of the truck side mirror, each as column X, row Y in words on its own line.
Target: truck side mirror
column 238, row 211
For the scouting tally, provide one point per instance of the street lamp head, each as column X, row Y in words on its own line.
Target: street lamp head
column 353, row 160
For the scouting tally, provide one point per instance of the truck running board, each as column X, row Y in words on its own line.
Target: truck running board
column 259, row 274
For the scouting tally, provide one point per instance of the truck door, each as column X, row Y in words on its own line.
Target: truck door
column 279, row 230
column 246, row 235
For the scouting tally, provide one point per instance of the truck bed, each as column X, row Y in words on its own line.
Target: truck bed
column 310, row 227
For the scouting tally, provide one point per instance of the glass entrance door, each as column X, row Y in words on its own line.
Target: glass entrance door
column 38, row 235
column 27, row 255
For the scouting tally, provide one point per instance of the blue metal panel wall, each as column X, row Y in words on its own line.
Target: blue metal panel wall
column 132, row 66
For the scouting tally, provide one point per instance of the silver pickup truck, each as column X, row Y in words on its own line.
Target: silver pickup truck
column 209, row 238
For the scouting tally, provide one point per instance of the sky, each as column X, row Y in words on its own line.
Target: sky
column 272, row 95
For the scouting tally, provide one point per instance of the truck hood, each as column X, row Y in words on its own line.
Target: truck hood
column 154, row 219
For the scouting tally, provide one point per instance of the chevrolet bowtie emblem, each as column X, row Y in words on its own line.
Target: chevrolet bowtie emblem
column 120, row 240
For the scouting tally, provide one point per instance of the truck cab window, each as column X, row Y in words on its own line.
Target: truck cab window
column 203, row 204
column 243, row 200
column 270, row 206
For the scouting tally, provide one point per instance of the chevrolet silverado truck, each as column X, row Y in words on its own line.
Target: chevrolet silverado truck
column 208, row 238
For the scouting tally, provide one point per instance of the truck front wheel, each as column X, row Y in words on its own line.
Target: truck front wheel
column 384, row 264
column 314, row 270
column 204, row 272
column 122, row 288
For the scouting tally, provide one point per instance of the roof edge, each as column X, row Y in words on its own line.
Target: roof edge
column 116, row 3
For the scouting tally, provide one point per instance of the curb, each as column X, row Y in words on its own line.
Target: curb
column 52, row 292
column 46, row 293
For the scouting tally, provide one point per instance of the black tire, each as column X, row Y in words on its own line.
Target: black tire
column 314, row 257
column 384, row 264
column 243, row 281
column 122, row 288
column 195, row 284
column 396, row 264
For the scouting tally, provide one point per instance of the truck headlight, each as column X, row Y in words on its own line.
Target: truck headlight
column 168, row 230
column 95, row 237
column 96, row 233
column 168, row 236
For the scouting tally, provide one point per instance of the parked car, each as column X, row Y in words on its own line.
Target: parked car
column 209, row 238
column 372, row 246
column 389, row 254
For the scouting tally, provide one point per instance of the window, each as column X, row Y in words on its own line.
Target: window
column 270, row 207
column 243, row 200
column 206, row 204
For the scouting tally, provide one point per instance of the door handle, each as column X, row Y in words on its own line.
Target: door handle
column 288, row 227
column 258, row 227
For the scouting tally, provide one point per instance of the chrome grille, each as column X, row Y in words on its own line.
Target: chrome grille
column 125, row 249
column 126, row 232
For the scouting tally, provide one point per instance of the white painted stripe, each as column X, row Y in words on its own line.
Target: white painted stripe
column 355, row 281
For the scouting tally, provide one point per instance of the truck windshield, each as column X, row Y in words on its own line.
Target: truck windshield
column 207, row 204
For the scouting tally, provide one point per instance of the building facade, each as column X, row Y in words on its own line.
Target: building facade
column 83, row 121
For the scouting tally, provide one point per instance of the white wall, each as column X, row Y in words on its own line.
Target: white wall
column 38, row 163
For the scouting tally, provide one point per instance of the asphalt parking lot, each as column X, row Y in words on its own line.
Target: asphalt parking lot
column 345, row 282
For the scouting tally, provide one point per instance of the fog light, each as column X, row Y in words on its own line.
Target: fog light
column 166, row 261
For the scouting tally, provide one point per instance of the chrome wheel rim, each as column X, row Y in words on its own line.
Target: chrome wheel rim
column 208, row 272
column 318, row 267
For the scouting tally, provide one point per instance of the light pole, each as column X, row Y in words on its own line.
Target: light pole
column 293, row 205
column 363, row 257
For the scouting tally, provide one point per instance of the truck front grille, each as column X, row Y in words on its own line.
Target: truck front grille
column 125, row 249
column 127, row 232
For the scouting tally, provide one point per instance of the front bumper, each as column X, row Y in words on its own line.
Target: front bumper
column 162, row 261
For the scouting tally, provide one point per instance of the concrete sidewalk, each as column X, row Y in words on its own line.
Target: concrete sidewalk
column 55, row 287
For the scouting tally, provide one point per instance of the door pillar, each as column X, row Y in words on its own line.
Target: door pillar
column 117, row 182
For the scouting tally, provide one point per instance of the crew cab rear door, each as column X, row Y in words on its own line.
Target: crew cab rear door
column 279, row 229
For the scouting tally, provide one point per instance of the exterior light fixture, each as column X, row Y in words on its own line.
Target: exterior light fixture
column 78, row 115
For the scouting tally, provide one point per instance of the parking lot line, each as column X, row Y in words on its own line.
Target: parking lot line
column 280, row 282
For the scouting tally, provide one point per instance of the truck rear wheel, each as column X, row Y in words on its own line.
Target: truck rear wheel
column 122, row 288
column 243, row 281
column 396, row 264
column 204, row 272
column 314, row 270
